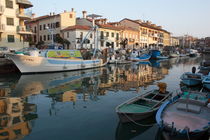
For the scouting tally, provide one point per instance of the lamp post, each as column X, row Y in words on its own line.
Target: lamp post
column 51, row 33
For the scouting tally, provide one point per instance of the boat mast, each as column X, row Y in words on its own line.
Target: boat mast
column 95, row 29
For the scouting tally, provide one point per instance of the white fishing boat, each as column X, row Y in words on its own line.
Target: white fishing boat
column 53, row 61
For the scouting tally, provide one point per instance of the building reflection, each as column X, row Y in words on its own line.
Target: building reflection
column 16, row 115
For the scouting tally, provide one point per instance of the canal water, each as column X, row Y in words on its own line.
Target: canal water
column 80, row 105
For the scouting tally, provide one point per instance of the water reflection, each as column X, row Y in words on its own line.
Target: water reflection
column 89, row 88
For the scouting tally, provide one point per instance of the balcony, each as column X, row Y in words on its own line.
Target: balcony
column 24, row 3
column 23, row 16
column 23, row 30
column 2, row 28
column 1, row 9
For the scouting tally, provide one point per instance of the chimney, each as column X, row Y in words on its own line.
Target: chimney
column 84, row 13
column 53, row 13
column 50, row 14
column 72, row 9
column 64, row 11
column 33, row 15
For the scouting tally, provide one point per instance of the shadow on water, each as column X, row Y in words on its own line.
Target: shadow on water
column 127, row 131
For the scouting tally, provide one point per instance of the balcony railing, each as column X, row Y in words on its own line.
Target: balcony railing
column 23, row 30
column 1, row 9
column 2, row 27
column 24, row 3
column 23, row 15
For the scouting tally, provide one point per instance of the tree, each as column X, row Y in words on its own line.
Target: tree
column 124, row 43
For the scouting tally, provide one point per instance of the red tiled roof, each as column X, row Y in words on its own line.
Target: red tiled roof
column 108, row 26
column 80, row 27
column 146, row 25
column 41, row 18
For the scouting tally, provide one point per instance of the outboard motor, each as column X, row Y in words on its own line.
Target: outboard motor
column 193, row 69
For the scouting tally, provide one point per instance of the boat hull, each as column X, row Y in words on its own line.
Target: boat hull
column 129, row 117
column 30, row 64
column 191, row 82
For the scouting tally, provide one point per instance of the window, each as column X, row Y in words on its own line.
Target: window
column 34, row 29
column 57, row 24
column 112, row 34
column 10, row 21
column 67, row 34
column 11, row 38
column 70, row 16
column 91, row 35
column 9, row 4
column 44, row 37
column 102, row 35
column 40, row 38
column 40, row 27
column 107, row 34
column 44, row 27
column 102, row 43
column 34, row 38
column 48, row 37
column 117, row 36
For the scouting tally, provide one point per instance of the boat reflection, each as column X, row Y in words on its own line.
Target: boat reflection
column 127, row 131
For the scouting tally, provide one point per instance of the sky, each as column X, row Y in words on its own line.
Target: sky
column 180, row 17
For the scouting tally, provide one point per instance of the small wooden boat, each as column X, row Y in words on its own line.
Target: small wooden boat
column 191, row 79
column 185, row 116
column 162, row 57
column 143, row 106
column 206, row 82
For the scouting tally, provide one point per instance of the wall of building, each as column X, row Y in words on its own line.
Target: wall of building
column 11, row 29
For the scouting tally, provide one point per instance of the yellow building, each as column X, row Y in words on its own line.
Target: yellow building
column 12, row 27
column 47, row 27
column 150, row 34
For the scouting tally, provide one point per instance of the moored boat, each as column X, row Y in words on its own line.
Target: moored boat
column 192, row 78
column 185, row 116
column 206, row 82
column 174, row 55
column 53, row 61
column 141, row 107
column 137, row 56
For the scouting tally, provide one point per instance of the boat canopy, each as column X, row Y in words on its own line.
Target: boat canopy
column 67, row 54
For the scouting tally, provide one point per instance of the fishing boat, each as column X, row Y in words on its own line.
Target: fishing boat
column 185, row 116
column 137, row 56
column 206, row 82
column 193, row 53
column 191, row 79
column 53, row 61
column 141, row 107
column 156, row 54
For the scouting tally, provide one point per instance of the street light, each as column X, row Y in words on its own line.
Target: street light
column 51, row 33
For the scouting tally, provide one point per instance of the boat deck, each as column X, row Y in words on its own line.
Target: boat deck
column 191, row 115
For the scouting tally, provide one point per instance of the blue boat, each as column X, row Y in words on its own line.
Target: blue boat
column 206, row 82
column 155, row 54
column 191, row 79
column 186, row 116
column 135, row 56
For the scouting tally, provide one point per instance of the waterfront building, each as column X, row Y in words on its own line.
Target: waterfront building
column 150, row 34
column 76, row 34
column 13, row 32
column 207, row 42
column 108, row 35
column 174, row 41
column 47, row 28
column 187, row 41
column 129, row 37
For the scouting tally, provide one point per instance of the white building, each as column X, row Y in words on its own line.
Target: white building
column 76, row 34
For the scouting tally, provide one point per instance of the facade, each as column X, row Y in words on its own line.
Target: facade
column 108, row 35
column 207, row 42
column 187, row 41
column 13, row 31
column 75, row 35
column 150, row 34
column 174, row 41
column 45, row 28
